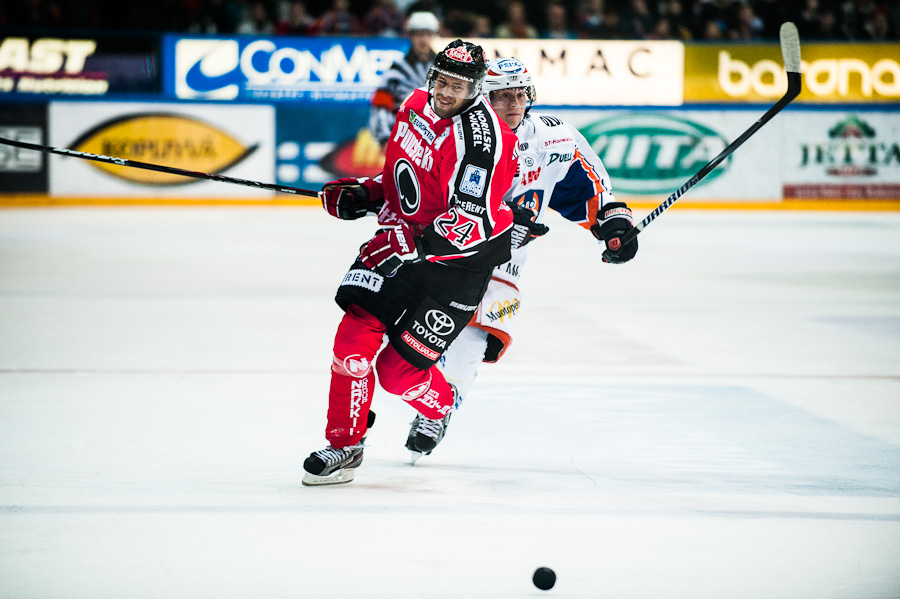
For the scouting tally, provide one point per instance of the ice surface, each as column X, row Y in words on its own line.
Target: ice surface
column 718, row 418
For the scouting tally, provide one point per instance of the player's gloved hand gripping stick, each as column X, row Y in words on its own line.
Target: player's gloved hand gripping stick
column 790, row 50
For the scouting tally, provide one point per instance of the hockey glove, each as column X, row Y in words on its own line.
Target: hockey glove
column 524, row 227
column 390, row 249
column 349, row 198
column 614, row 221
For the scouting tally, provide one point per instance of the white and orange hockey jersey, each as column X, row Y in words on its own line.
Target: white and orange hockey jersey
column 558, row 170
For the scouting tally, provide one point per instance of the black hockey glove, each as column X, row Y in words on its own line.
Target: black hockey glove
column 349, row 198
column 614, row 221
column 524, row 227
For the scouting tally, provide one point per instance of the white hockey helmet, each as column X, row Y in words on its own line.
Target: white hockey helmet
column 506, row 73
column 422, row 21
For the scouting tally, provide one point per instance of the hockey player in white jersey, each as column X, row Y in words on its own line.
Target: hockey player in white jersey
column 557, row 170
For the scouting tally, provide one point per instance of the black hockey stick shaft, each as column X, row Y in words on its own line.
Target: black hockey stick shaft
column 790, row 49
column 157, row 167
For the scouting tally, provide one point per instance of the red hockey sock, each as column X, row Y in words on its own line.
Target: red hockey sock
column 425, row 390
column 358, row 338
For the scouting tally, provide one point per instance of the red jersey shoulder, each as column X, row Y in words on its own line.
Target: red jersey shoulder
column 418, row 103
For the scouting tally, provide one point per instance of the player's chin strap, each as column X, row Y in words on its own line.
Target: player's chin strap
column 469, row 103
column 522, row 120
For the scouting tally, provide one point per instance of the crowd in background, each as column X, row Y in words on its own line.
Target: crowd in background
column 700, row 20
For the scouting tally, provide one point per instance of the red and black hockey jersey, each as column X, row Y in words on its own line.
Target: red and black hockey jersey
column 447, row 178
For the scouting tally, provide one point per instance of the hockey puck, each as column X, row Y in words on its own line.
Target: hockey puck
column 544, row 578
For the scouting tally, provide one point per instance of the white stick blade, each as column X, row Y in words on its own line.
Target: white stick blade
column 790, row 47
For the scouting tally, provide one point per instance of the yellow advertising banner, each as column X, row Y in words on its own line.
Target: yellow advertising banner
column 832, row 73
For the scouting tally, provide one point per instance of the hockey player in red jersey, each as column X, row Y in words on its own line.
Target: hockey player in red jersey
column 448, row 162
column 558, row 170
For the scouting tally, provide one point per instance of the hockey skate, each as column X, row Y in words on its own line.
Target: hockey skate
column 332, row 466
column 425, row 433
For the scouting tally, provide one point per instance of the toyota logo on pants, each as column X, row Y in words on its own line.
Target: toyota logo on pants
column 439, row 322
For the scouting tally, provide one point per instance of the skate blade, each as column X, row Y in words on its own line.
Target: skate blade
column 344, row 475
column 413, row 458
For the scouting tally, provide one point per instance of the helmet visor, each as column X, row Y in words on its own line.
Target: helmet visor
column 513, row 97
column 451, row 85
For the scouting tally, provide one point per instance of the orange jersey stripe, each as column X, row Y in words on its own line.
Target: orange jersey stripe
column 593, row 204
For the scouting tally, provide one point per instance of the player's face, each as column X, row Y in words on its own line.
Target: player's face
column 450, row 94
column 510, row 105
column 421, row 43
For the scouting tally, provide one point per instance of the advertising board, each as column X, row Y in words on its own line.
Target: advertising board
column 277, row 69
column 801, row 154
column 842, row 155
column 596, row 72
column 234, row 140
column 91, row 66
column 317, row 144
column 844, row 73
column 23, row 170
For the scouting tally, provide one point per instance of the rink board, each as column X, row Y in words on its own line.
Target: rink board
column 809, row 156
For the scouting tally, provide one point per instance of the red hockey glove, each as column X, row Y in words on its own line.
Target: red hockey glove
column 390, row 249
column 614, row 221
column 524, row 227
column 349, row 198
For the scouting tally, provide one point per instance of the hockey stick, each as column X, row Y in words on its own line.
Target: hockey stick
column 790, row 50
column 157, row 167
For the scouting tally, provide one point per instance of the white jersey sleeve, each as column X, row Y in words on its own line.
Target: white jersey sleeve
column 559, row 170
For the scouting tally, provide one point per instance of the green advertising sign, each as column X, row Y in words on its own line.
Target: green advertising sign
column 653, row 153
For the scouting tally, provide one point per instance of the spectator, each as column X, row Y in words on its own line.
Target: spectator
column 297, row 21
column 674, row 12
column 258, row 22
column 877, row 27
column 712, row 30
column 772, row 13
column 338, row 20
column 637, row 19
column 457, row 23
column 894, row 12
column 850, row 22
column 828, row 27
column 662, row 30
column 749, row 27
column 612, row 28
column 837, row 20
column 384, row 20
column 210, row 20
column 481, row 26
column 516, row 24
column 589, row 19
column 558, row 23
column 808, row 20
